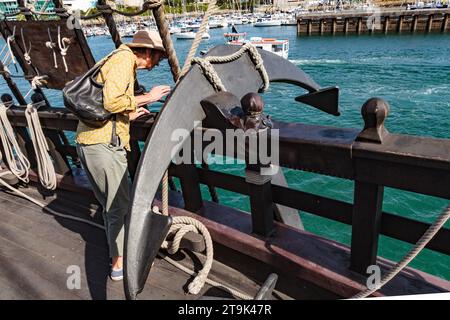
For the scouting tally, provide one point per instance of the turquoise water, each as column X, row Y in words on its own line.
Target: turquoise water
column 412, row 73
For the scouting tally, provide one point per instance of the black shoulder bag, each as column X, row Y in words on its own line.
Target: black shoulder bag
column 84, row 97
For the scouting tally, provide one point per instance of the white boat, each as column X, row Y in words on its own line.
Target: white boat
column 267, row 22
column 188, row 34
column 216, row 23
column 174, row 29
column 279, row 47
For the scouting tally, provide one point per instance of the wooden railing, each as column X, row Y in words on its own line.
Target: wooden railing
column 372, row 160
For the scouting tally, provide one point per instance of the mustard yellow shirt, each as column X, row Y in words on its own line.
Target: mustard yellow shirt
column 117, row 76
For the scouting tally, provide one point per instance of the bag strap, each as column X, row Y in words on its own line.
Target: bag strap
column 114, row 137
column 102, row 62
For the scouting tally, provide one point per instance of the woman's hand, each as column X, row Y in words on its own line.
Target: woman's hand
column 138, row 113
column 154, row 95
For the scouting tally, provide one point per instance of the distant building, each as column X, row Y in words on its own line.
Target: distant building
column 82, row 5
column 8, row 6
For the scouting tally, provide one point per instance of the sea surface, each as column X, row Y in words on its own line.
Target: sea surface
column 411, row 72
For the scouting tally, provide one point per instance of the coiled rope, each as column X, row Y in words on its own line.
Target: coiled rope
column 414, row 252
column 18, row 164
column 46, row 169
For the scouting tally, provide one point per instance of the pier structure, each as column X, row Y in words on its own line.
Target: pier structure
column 378, row 21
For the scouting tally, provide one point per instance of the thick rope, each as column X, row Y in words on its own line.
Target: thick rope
column 414, row 252
column 165, row 193
column 213, row 283
column 212, row 76
column 180, row 226
column 36, row 82
column 46, row 169
column 198, row 37
column 18, row 164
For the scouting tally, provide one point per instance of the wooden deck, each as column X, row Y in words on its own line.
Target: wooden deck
column 36, row 249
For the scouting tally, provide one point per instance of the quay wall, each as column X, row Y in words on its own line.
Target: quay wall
column 381, row 21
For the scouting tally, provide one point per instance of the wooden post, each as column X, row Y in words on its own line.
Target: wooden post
column 298, row 27
column 109, row 19
column 333, row 26
column 368, row 200
column 444, row 23
column 429, row 23
column 190, row 186
column 309, row 28
column 261, row 203
column 359, row 25
column 414, row 24
column 386, row 25
column 345, row 25
column 321, row 26
column 400, row 24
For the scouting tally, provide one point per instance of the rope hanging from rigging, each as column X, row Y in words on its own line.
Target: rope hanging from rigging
column 26, row 51
column 63, row 44
column 51, row 45
column 46, row 169
column 17, row 162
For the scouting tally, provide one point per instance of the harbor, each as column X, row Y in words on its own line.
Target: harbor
column 375, row 21
column 360, row 193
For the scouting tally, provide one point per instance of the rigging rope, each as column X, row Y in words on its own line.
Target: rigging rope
column 63, row 44
column 36, row 82
column 414, row 252
column 26, row 51
column 46, row 169
column 18, row 164
column 51, row 45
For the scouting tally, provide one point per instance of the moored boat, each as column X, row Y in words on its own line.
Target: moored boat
column 279, row 47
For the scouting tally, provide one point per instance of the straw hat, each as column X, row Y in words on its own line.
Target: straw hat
column 147, row 39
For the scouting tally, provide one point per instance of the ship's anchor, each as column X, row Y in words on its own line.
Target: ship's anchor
column 146, row 230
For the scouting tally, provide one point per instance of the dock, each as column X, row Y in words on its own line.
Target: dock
column 378, row 21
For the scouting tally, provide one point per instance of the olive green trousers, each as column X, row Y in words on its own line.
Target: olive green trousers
column 107, row 170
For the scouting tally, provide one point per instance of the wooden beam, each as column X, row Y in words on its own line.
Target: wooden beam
column 368, row 201
column 386, row 25
column 400, row 24
column 444, row 23
column 414, row 23
column 429, row 23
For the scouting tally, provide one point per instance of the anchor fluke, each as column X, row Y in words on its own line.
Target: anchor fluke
column 326, row 99
column 154, row 229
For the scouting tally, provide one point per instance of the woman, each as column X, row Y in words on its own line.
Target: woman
column 102, row 151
